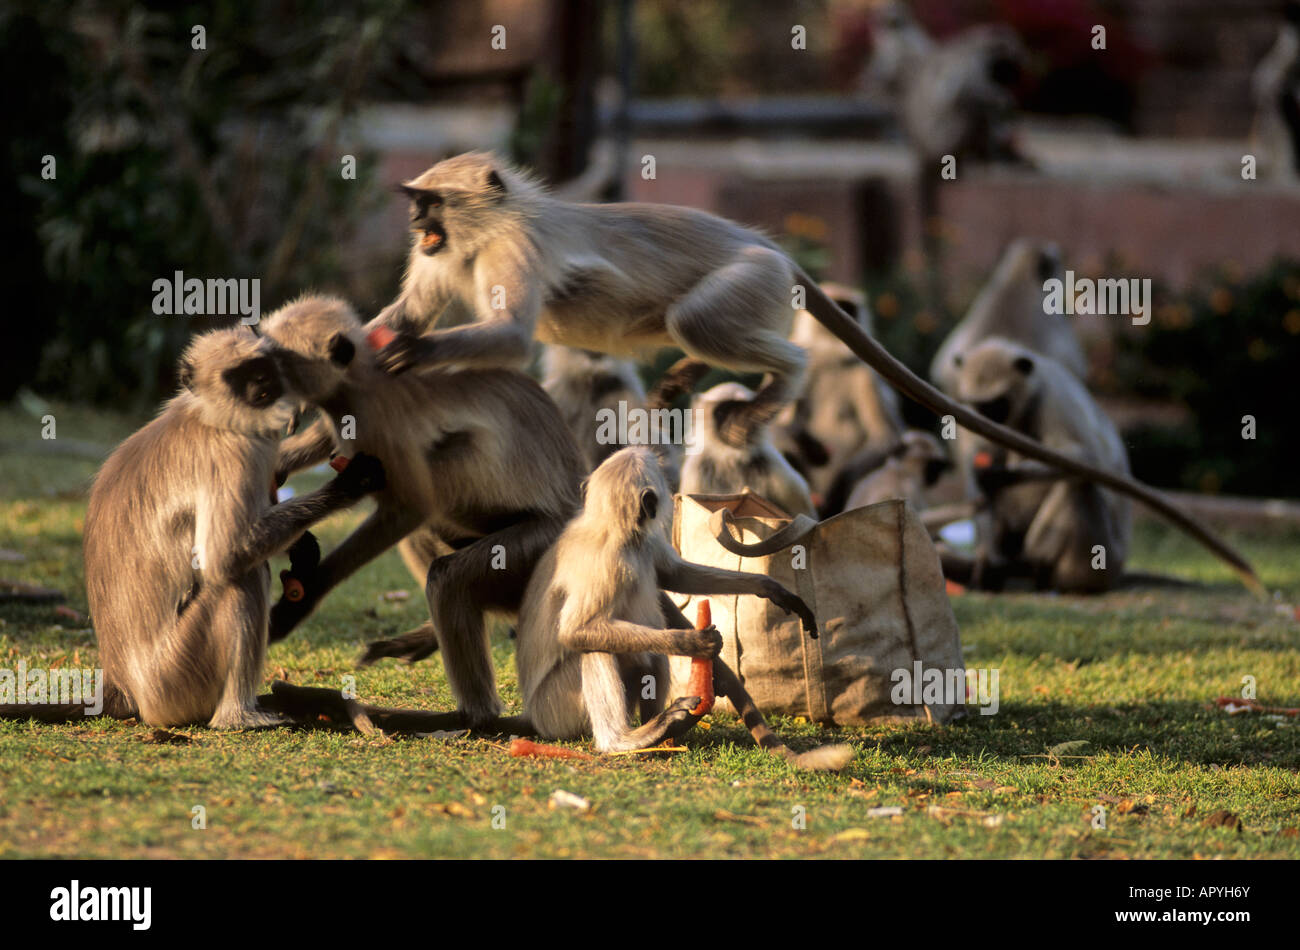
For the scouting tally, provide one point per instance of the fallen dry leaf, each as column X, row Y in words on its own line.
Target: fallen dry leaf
column 1223, row 819
column 852, row 834
column 163, row 737
column 455, row 809
column 723, row 815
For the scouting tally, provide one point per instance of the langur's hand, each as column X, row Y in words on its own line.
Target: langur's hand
column 792, row 603
column 362, row 475
column 287, row 614
column 702, row 644
column 304, row 554
column 404, row 351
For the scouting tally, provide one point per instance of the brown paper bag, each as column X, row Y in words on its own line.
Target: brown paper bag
column 871, row 576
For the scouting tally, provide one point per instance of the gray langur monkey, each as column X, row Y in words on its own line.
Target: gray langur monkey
column 593, row 624
column 1010, row 305
column 588, row 387
column 713, row 466
column 482, row 476
column 844, row 407
column 957, row 97
column 913, row 466
column 1063, row 533
column 619, row 278
column 584, row 383
column 1275, row 85
column 179, row 528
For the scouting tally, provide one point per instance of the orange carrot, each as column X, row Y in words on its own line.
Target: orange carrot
column 983, row 459
column 380, row 337
column 701, row 681
column 339, row 462
column 523, row 747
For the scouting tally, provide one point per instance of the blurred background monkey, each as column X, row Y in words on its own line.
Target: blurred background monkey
column 713, row 466
column 1065, row 534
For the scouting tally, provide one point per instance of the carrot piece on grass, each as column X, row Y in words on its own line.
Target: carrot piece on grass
column 526, row 747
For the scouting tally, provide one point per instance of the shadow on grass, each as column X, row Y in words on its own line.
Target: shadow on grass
column 1189, row 732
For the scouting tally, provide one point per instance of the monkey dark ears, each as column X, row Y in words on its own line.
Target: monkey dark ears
column 185, row 374
column 494, row 183
column 342, row 350
column 1023, row 365
column 649, row 506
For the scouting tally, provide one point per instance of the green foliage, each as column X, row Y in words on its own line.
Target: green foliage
column 219, row 162
column 1227, row 349
column 537, row 115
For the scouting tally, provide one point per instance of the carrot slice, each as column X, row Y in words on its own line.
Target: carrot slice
column 293, row 589
column 380, row 337
column 339, row 462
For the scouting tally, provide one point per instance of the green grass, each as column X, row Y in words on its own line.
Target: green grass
column 1133, row 674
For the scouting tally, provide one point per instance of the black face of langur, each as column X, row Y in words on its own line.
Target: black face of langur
column 238, row 378
column 607, row 498
column 450, row 191
column 318, row 338
column 996, row 384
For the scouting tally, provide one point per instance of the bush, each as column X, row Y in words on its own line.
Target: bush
column 1227, row 349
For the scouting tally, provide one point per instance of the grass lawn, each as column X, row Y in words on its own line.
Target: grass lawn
column 1132, row 674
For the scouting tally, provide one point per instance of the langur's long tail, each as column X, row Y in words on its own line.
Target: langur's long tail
column 827, row 758
column 677, row 379
column 412, row 646
column 912, row 386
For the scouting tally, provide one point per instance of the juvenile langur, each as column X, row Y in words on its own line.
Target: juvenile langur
column 593, row 643
column 1276, row 88
column 713, row 466
column 179, row 528
column 1065, row 534
column 1010, row 306
column 619, row 278
column 482, row 475
column 913, row 466
column 954, row 98
column 844, row 407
